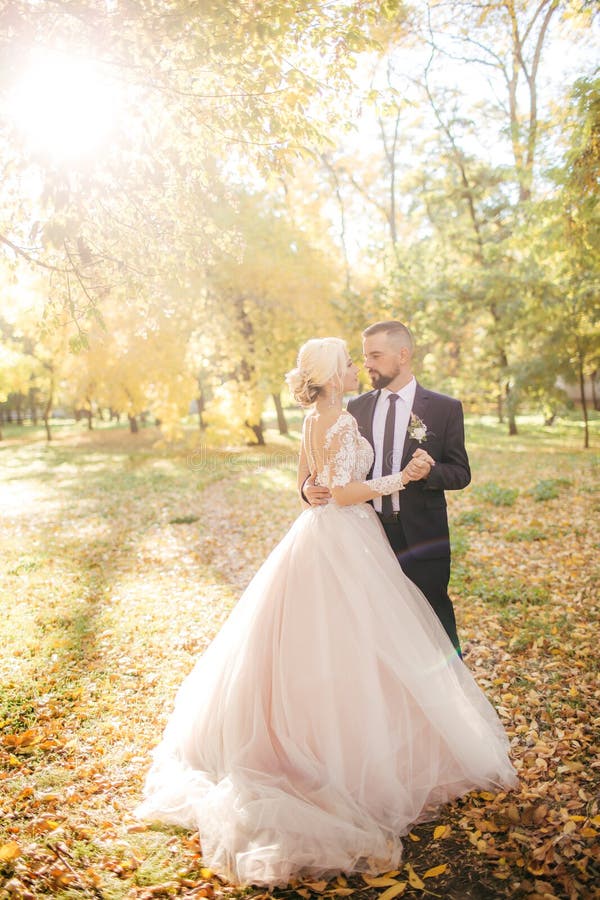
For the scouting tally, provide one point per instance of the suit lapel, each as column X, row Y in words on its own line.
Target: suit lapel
column 370, row 415
column 364, row 416
column 419, row 408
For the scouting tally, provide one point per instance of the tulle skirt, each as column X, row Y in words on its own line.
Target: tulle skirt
column 329, row 714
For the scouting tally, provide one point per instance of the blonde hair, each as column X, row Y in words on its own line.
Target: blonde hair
column 319, row 360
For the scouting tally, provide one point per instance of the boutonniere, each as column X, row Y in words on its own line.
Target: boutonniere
column 417, row 429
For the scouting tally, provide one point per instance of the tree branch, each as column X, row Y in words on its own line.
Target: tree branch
column 31, row 259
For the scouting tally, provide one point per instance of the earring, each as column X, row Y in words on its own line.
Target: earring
column 333, row 398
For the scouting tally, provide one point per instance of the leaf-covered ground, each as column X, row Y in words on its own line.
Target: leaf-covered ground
column 119, row 563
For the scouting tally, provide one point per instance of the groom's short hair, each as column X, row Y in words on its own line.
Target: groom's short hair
column 397, row 332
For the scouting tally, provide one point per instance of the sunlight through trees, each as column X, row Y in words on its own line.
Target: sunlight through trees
column 190, row 192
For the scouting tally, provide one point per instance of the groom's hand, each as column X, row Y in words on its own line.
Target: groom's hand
column 420, row 465
column 316, row 494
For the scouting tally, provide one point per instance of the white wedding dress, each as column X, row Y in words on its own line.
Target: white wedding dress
column 331, row 711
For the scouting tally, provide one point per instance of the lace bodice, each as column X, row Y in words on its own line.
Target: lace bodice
column 345, row 456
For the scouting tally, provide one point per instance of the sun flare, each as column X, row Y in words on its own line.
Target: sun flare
column 64, row 106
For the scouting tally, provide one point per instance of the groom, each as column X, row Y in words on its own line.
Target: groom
column 409, row 426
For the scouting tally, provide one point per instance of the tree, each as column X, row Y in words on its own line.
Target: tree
column 459, row 204
column 261, row 305
column 565, row 249
column 193, row 92
column 33, row 354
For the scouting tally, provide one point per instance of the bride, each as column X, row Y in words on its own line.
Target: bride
column 331, row 712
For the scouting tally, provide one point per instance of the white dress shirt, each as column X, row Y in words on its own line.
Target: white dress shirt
column 404, row 406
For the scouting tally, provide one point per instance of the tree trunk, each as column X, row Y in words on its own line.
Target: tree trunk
column 500, row 406
column 258, row 431
column 509, row 394
column 595, row 400
column 281, row 420
column 246, row 365
column 88, row 413
column 19, row 407
column 133, row 425
column 200, row 406
column 511, row 409
column 46, row 417
column 584, row 409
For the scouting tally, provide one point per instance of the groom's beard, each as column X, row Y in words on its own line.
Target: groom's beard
column 380, row 381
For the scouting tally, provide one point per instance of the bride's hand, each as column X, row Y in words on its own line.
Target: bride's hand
column 419, row 466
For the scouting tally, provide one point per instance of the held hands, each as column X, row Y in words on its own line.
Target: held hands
column 419, row 466
column 417, row 469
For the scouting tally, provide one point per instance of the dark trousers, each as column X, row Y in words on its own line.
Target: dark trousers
column 430, row 575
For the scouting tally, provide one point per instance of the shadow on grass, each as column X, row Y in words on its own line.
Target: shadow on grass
column 80, row 539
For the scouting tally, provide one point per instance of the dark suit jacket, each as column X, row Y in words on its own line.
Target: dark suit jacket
column 422, row 503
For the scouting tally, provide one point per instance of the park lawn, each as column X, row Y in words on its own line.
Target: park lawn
column 121, row 559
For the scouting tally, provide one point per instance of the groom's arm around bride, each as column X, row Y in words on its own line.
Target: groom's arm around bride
column 422, row 431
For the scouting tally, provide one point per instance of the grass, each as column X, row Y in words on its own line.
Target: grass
column 548, row 488
column 470, row 517
column 496, row 495
column 525, row 534
column 121, row 558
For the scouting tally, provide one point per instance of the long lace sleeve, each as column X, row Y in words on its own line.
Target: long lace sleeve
column 340, row 452
column 387, row 484
column 341, row 460
column 348, row 457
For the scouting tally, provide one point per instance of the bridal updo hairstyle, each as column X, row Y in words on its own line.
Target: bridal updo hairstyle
column 319, row 360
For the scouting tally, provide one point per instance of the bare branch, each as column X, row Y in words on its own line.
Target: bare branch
column 336, row 183
column 459, row 160
column 31, row 259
